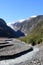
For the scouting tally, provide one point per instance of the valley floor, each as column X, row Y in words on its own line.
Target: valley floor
column 37, row 58
column 34, row 57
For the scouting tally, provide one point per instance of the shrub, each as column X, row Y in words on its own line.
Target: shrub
column 33, row 41
column 39, row 41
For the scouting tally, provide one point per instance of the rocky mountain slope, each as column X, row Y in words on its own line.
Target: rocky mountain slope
column 28, row 25
column 36, row 35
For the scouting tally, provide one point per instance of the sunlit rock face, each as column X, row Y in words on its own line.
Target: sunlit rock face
column 27, row 25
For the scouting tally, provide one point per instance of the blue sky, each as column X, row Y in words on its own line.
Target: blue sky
column 12, row 10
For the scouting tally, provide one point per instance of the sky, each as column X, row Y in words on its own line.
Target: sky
column 13, row 10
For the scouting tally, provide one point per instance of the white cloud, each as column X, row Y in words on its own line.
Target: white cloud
column 33, row 16
column 9, row 23
column 21, row 20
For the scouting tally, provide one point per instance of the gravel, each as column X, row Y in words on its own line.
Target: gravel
column 22, row 60
column 34, row 57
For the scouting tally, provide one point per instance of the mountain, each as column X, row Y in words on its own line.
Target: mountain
column 27, row 25
column 31, row 27
column 36, row 36
column 6, row 31
column 13, row 24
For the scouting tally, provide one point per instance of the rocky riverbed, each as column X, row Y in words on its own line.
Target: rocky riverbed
column 14, row 46
column 37, row 59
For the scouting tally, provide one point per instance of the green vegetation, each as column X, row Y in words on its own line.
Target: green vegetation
column 36, row 36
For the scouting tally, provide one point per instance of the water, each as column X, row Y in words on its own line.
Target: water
column 27, row 56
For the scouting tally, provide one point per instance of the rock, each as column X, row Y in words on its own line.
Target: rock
column 12, row 49
column 37, row 58
column 27, row 25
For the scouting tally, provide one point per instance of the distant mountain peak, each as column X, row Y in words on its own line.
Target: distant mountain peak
column 21, row 20
column 31, row 17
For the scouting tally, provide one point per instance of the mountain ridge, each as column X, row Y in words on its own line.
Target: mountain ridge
column 7, row 31
column 27, row 25
column 19, row 29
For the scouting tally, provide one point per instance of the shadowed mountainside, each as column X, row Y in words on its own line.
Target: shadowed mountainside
column 6, row 31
